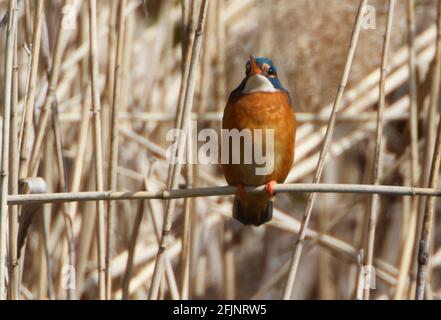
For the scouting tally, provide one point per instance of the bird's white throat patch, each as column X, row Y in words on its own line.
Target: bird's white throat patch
column 258, row 83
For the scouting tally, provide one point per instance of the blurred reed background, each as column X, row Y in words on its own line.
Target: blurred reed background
column 90, row 109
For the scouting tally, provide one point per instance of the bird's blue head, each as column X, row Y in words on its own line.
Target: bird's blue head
column 260, row 76
column 260, row 65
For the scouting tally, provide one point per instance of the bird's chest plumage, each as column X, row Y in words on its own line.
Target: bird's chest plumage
column 261, row 111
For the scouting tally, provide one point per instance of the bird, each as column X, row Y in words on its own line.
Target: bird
column 259, row 102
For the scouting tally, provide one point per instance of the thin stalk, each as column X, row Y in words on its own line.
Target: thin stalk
column 112, row 52
column 83, row 132
column 45, row 218
column 30, row 97
column 413, row 93
column 427, row 225
column 14, row 272
column 187, row 44
column 113, row 157
column 100, row 227
column 187, row 23
column 186, row 232
column 327, row 140
column 378, row 156
column 85, row 237
column 28, row 20
column 177, row 193
column 7, row 94
column 83, row 143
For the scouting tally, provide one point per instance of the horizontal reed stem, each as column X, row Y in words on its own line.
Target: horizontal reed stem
column 220, row 191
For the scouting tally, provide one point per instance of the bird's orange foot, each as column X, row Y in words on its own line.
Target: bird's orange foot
column 241, row 193
column 269, row 188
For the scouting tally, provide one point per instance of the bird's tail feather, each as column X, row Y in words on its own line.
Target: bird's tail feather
column 253, row 209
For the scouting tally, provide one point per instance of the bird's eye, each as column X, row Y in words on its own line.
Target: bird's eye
column 271, row 72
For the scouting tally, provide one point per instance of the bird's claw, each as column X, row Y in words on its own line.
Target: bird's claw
column 241, row 193
column 269, row 188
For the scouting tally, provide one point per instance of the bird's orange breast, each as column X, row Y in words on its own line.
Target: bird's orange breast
column 261, row 111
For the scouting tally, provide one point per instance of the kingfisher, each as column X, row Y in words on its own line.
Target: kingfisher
column 259, row 102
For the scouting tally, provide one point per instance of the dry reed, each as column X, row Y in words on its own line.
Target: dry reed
column 89, row 90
